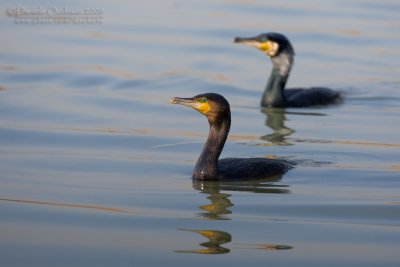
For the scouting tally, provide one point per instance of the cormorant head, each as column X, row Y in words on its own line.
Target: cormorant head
column 214, row 106
column 271, row 44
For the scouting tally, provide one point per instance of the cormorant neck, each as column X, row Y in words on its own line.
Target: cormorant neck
column 207, row 165
column 273, row 95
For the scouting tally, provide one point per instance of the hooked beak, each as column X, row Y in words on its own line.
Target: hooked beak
column 188, row 102
column 247, row 41
column 268, row 47
column 202, row 107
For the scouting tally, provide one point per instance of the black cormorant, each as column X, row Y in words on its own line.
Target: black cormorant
column 216, row 108
column 281, row 52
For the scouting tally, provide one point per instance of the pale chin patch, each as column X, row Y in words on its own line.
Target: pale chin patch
column 273, row 49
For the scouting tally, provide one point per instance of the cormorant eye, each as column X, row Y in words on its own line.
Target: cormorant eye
column 203, row 100
column 263, row 39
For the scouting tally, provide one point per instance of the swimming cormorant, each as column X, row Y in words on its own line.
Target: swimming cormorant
column 216, row 108
column 281, row 52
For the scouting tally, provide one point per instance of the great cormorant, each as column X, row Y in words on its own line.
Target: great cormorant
column 216, row 108
column 281, row 53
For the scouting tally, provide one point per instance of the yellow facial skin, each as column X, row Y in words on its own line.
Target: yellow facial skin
column 269, row 47
column 266, row 46
column 202, row 105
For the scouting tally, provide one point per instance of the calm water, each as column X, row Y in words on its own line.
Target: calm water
column 95, row 163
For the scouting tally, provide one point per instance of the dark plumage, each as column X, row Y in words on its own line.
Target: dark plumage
column 216, row 108
column 281, row 53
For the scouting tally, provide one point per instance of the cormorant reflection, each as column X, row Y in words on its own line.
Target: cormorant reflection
column 276, row 121
column 218, row 209
column 213, row 245
column 217, row 238
column 220, row 202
